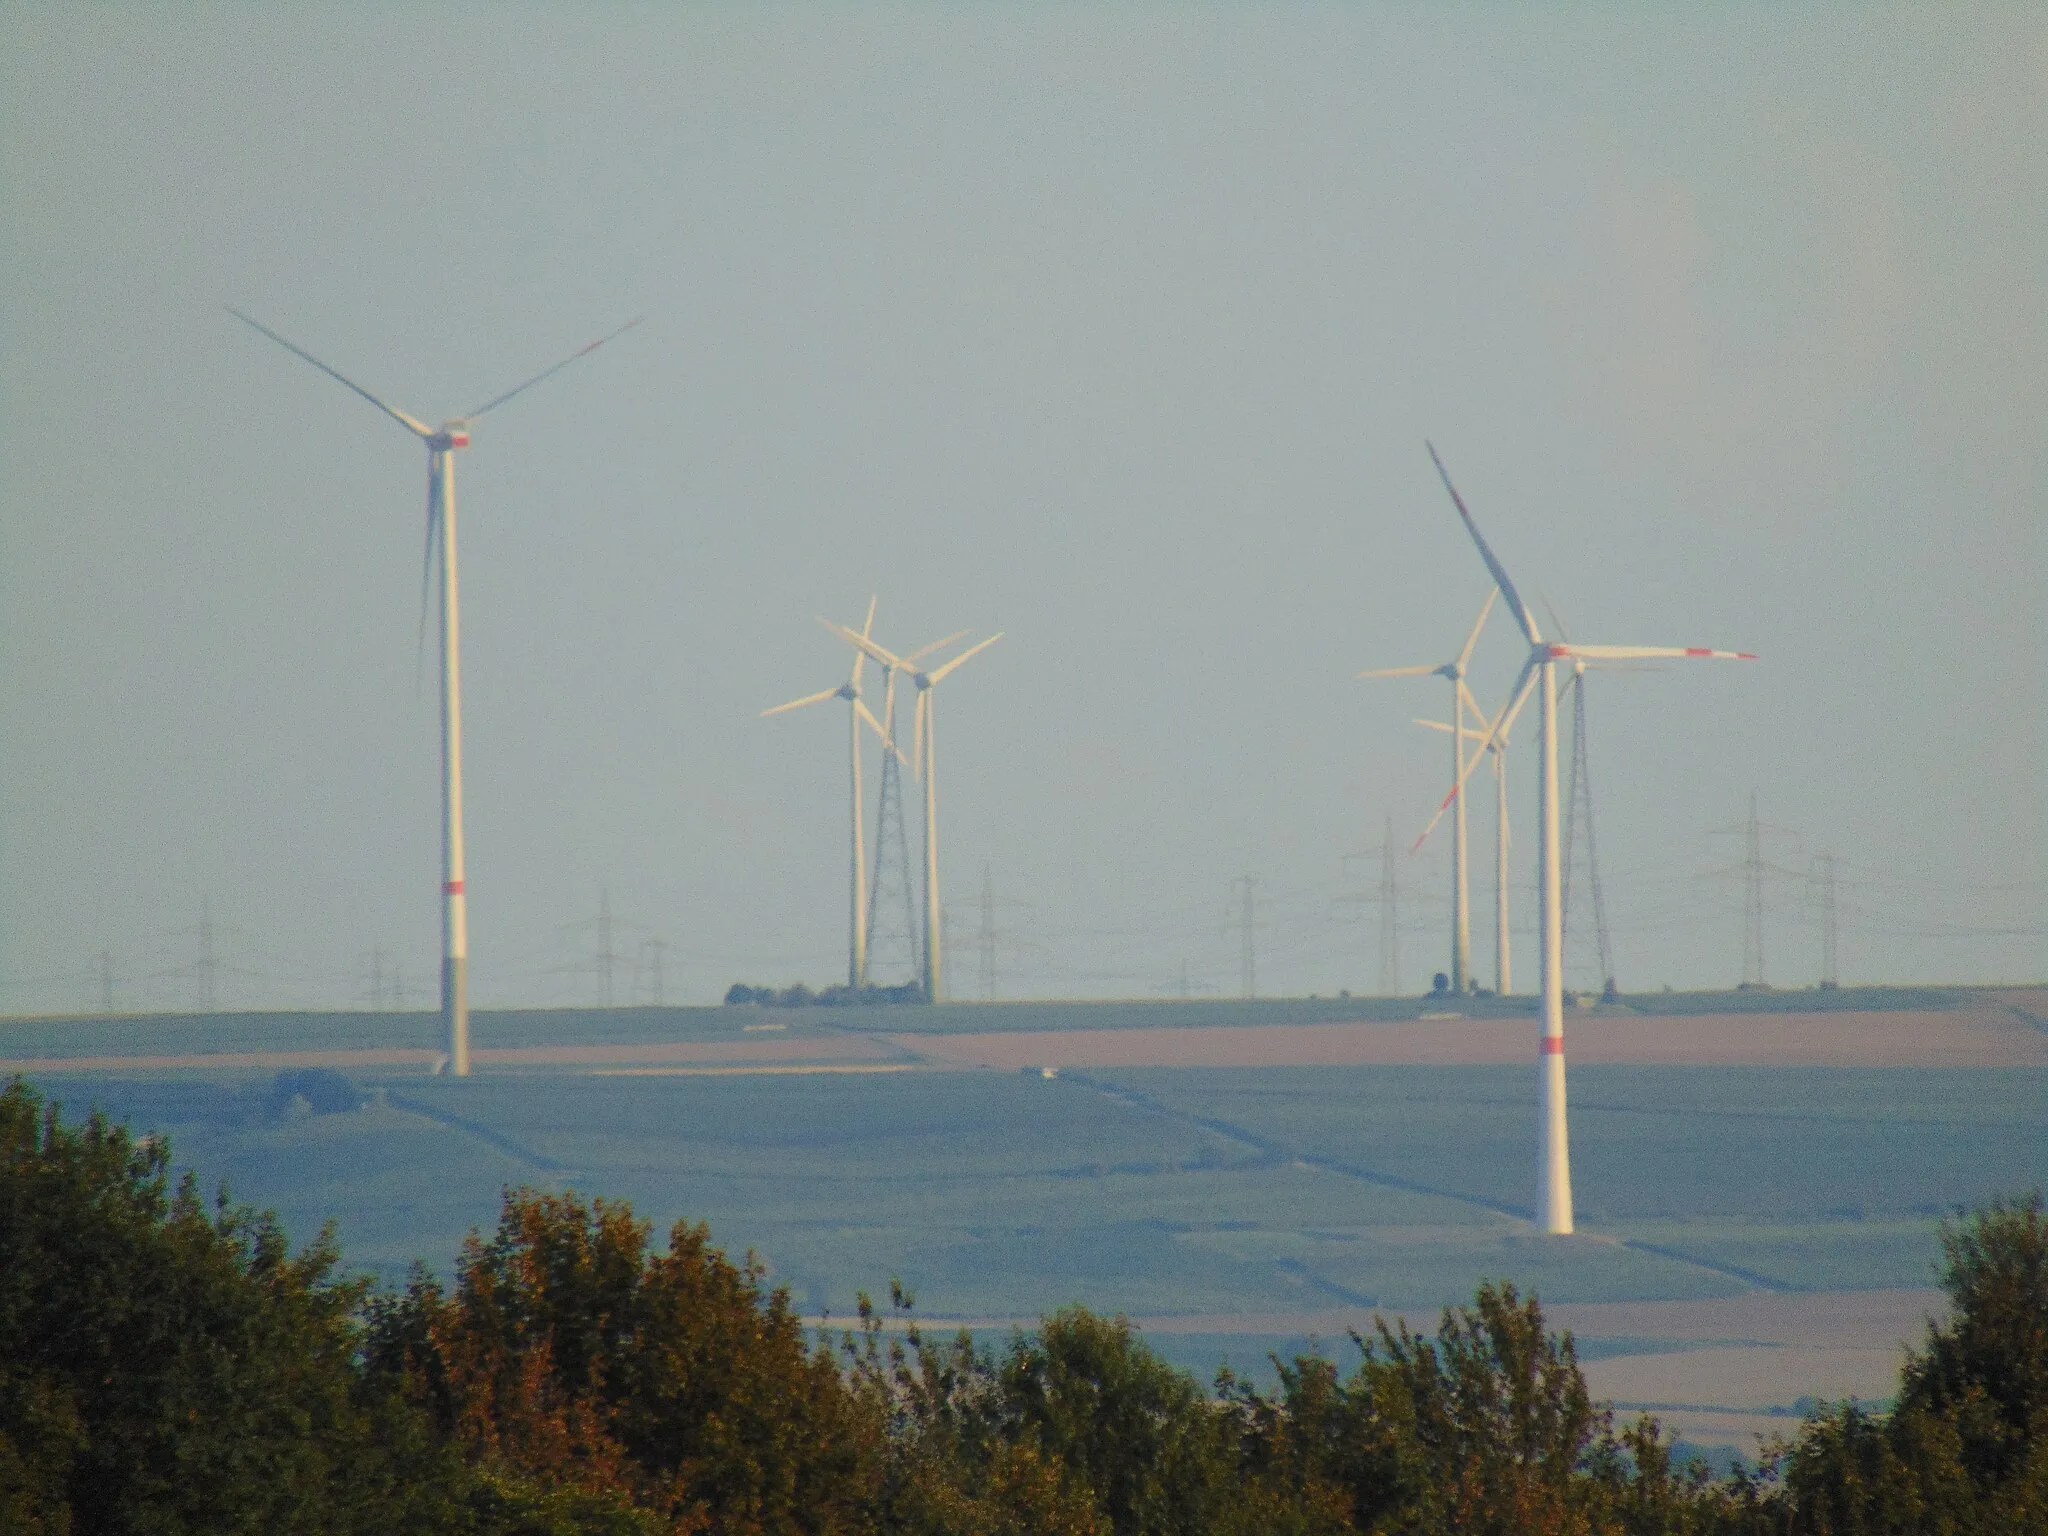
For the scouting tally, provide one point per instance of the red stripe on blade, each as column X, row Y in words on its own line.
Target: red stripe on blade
column 452, row 888
column 1553, row 1045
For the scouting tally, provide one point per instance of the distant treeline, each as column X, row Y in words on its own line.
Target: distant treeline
column 797, row 995
column 169, row 1366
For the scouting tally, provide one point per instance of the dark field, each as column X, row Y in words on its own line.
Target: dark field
column 1237, row 1209
column 1156, row 1191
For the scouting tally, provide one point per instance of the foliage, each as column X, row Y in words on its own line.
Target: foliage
column 1966, row 1448
column 572, row 1359
column 171, row 1368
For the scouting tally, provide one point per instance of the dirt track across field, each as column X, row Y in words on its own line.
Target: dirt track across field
column 1980, row 1036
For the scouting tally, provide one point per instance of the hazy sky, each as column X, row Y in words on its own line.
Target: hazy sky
column 1119, row 331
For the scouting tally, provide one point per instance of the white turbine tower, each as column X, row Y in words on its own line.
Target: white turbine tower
column 859, row 714
column 857, row 921
column 1554, row 1183
column 1493, row 742
column 925, row 751
column 1461, row 700
column 442, row 442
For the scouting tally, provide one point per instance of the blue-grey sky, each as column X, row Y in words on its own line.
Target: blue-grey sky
column 1119, row 330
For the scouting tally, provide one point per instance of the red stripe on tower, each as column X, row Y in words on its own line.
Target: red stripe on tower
column 1553, row 1045
column 452, row 888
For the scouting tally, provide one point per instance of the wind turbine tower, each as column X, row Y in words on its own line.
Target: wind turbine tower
column 859, row 714
column 925, row 753
column 1554, row 1178
column 442, row 444
column 1461, row 700
column 1492, row 742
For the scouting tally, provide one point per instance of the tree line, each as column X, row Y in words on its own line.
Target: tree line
column 169, row 1365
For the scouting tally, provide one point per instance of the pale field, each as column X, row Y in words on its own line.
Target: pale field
column 1977, row 1036
column 1720, row 1369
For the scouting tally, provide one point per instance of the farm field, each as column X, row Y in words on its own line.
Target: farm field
column 1233, row 1209
column 417, row 1033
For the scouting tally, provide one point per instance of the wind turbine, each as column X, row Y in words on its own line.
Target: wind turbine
column 1461, row 699
column 1494, row 742
column 924, row 750
column 857, row 922
column 442, row 442
column 857, row 925
column 1554, row 1181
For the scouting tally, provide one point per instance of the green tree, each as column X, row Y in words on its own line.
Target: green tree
column 172, row 1369
column 571, row 1360
column 1965, row 1449
column 1485, row 1428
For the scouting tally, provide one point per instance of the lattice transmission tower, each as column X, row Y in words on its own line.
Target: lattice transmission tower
column 1578, row 813
column 894, row 955
column 1822, row 878
column 1753, row 898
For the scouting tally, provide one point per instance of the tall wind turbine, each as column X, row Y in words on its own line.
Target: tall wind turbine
column 857, row 921
column 858, row 715
column 1554, row 1180
column 1492, row 742
column 924, row 750
column 442, row 442
column 1461, row 700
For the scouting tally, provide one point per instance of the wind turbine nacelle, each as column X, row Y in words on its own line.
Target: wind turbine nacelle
column 450, row 437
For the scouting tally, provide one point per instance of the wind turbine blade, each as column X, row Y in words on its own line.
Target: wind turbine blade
column 1449, row 800
column 1438, row 725
column 972, row 651
column 863, row 643
column 882, row 735
column 419, row 655
column 1512, row 710
column 1646, row 652
column 1472, row 639
column 917, row 728
column 1457, row 789
column 860, row 658
column 936, row 645
column 815, row 698
column 1471, row 703
column 547, row 373
column 1525, row 619
column 1401, row 672
column 296, row 350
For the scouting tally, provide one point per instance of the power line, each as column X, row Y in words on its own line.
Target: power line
column 1578, row 804
column 987, row 937
column 1824, row 877
column 1248, row 959
column 892, row 947
column 647, row 961
column 606, row 959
